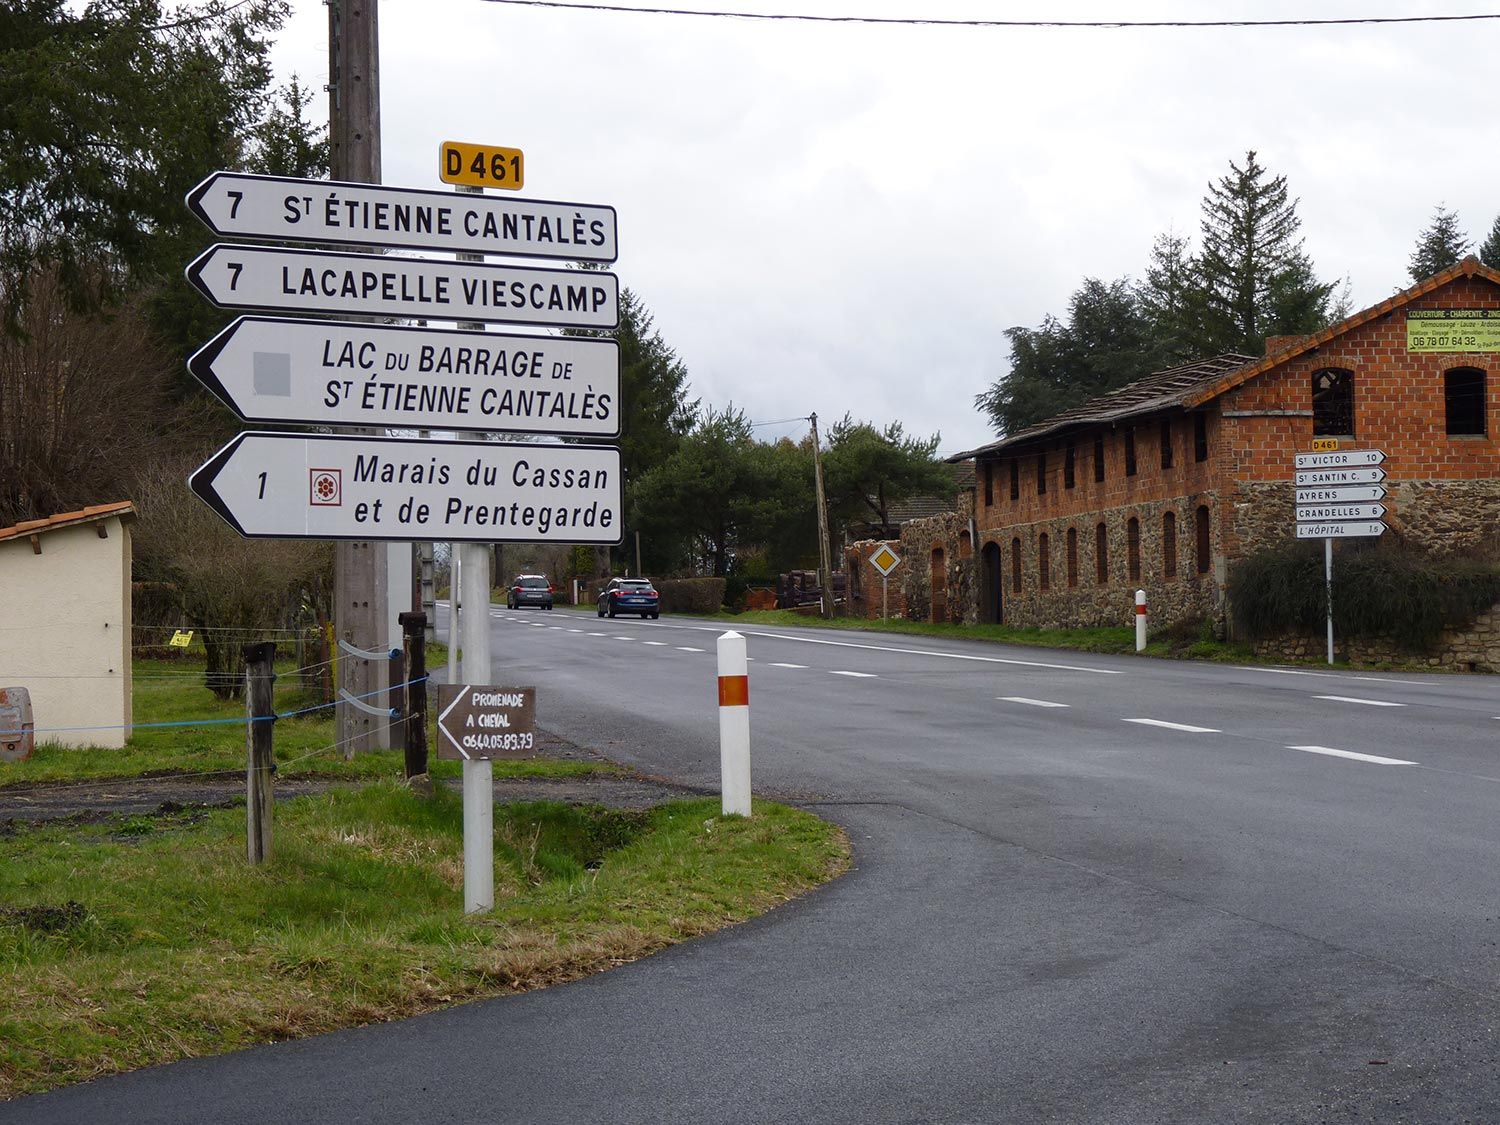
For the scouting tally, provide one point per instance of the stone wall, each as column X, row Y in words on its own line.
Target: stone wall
column 950, row 534
column 864, row 580
column 1475, row 649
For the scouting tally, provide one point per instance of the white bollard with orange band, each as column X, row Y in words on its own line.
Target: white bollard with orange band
column 734, row 724
column 1140, row 621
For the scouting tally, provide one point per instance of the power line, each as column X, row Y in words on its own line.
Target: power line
column 918, row 21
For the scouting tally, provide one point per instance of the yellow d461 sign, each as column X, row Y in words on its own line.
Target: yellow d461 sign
column 481, row 166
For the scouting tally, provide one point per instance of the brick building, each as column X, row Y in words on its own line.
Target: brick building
column 1163, row 483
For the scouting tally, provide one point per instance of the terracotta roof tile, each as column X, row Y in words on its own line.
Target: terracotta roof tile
column 67, row 519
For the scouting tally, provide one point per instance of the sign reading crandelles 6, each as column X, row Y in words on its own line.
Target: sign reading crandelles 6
column 476, row 722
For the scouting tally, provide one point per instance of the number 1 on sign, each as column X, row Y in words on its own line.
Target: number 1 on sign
column 262, row 494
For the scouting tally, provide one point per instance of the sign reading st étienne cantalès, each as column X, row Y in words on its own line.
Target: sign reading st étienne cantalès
column 313, row 281
column 319, row 486
column 1453, row 330
column 236, row 205
column 327, row 373
column 485, row 722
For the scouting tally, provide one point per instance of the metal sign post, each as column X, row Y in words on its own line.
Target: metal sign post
column 1333, row 501
column 884, row 560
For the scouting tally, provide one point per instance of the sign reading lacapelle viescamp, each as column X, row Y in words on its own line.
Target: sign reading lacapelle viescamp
column 1453, row 330
column 312, row 281
column 316, row 486
column 486, row 722
column 327, row 373
column 236, row 205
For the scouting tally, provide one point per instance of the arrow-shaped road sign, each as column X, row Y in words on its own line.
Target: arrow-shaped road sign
column 1307, row 477
column 306, row 486
column 322, row 372
column 1322, row 513
column 1341, row 494
column 235, row 205
column 1340, row 459
column 312, row 281
column 1350, row 530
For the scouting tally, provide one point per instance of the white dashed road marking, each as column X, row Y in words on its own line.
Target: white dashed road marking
column 1174, row 726
column 856, row 675
column 662, row 644
column 688, row 648
column 1029, row 702
column 598, row 634
column 1352, row 699
column 1377, row 759
column 777, row 664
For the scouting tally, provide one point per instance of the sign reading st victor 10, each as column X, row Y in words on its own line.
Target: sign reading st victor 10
column 235, row 205
column 315, row 486
column 328, row 373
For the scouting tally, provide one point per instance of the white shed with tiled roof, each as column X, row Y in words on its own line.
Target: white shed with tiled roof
column 65, row 623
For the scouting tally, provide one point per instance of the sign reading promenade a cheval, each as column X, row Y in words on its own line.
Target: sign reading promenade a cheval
column 328, row 373
column 318, row 486
column 477, row 722
column 314, row 281
column 236, row 205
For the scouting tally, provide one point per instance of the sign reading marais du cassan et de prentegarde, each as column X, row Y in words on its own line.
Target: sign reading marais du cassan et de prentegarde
column 323, row 372
column 312, row 486
column 235, row 205
column 314, row 281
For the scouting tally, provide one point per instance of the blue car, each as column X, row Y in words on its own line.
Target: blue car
column 629, row 595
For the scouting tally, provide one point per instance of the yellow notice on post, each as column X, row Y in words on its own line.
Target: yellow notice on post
column 484, row 166
column 181, row 638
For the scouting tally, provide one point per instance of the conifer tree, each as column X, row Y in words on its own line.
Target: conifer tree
column 1441, row 245
column 1489, row 252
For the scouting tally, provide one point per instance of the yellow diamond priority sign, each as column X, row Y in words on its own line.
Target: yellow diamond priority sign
column 885, row 560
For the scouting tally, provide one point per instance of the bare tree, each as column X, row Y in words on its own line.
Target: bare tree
column 80, row 396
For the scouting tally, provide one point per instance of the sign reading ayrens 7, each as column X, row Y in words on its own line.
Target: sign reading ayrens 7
column 236, row 205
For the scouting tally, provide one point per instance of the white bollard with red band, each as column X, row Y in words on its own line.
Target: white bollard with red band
column 1140, row 621
column 734, row 724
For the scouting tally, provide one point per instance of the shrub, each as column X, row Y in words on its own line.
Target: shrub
column 1378, row 591
column 691, row 595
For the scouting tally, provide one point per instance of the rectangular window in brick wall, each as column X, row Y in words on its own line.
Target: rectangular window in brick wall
column 1068, row 478
column 1130, row 451
column 1099, row 459
column 1133, row 548
column 989, row 483
column 1072, row 556
column 1166, row 443
column 1015, row 478
column 1464, row 400
column 1101, row 554
column 1041, row 473
column 1169, row 545
column 1333, row 402
column 1200, row 437
column 1200, row 535
column 1015, row 566
column 1043, row 563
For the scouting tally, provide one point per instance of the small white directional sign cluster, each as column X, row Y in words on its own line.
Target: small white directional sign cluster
column 321, row 372
column 1338, row 494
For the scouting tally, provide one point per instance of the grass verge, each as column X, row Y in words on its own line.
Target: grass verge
column 1106, row 640
column 172, row 691
column 142, row 940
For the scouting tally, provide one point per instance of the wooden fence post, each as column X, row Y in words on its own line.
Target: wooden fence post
column 260, row 717
column 414, row 645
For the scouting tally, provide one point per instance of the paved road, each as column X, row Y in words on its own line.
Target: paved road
column 1088, row 889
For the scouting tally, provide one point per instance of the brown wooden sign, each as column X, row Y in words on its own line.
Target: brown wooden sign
column 475, row 722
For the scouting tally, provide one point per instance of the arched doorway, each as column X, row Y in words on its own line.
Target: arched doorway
column 939, row 587
column 991, row 585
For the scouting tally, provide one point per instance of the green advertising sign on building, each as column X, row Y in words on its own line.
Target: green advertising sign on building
column 1453, row 330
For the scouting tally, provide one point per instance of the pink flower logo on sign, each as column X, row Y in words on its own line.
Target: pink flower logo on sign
column 325, row 487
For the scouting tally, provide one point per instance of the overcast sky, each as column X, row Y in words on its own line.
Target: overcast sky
column 840, row 217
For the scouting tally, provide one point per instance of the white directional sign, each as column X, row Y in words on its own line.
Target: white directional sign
column 1307, row 477
column 242, row 206
column 312, row 281
column 312, row 486
column 322, row 372
column 1341, row 494
column 1340, row 459
column 1350, row 530
column 1323, row 513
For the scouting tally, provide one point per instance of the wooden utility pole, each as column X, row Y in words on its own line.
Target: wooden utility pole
column 359, row 569
column 260, row 714
column 414, row 641
column 825, row 578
